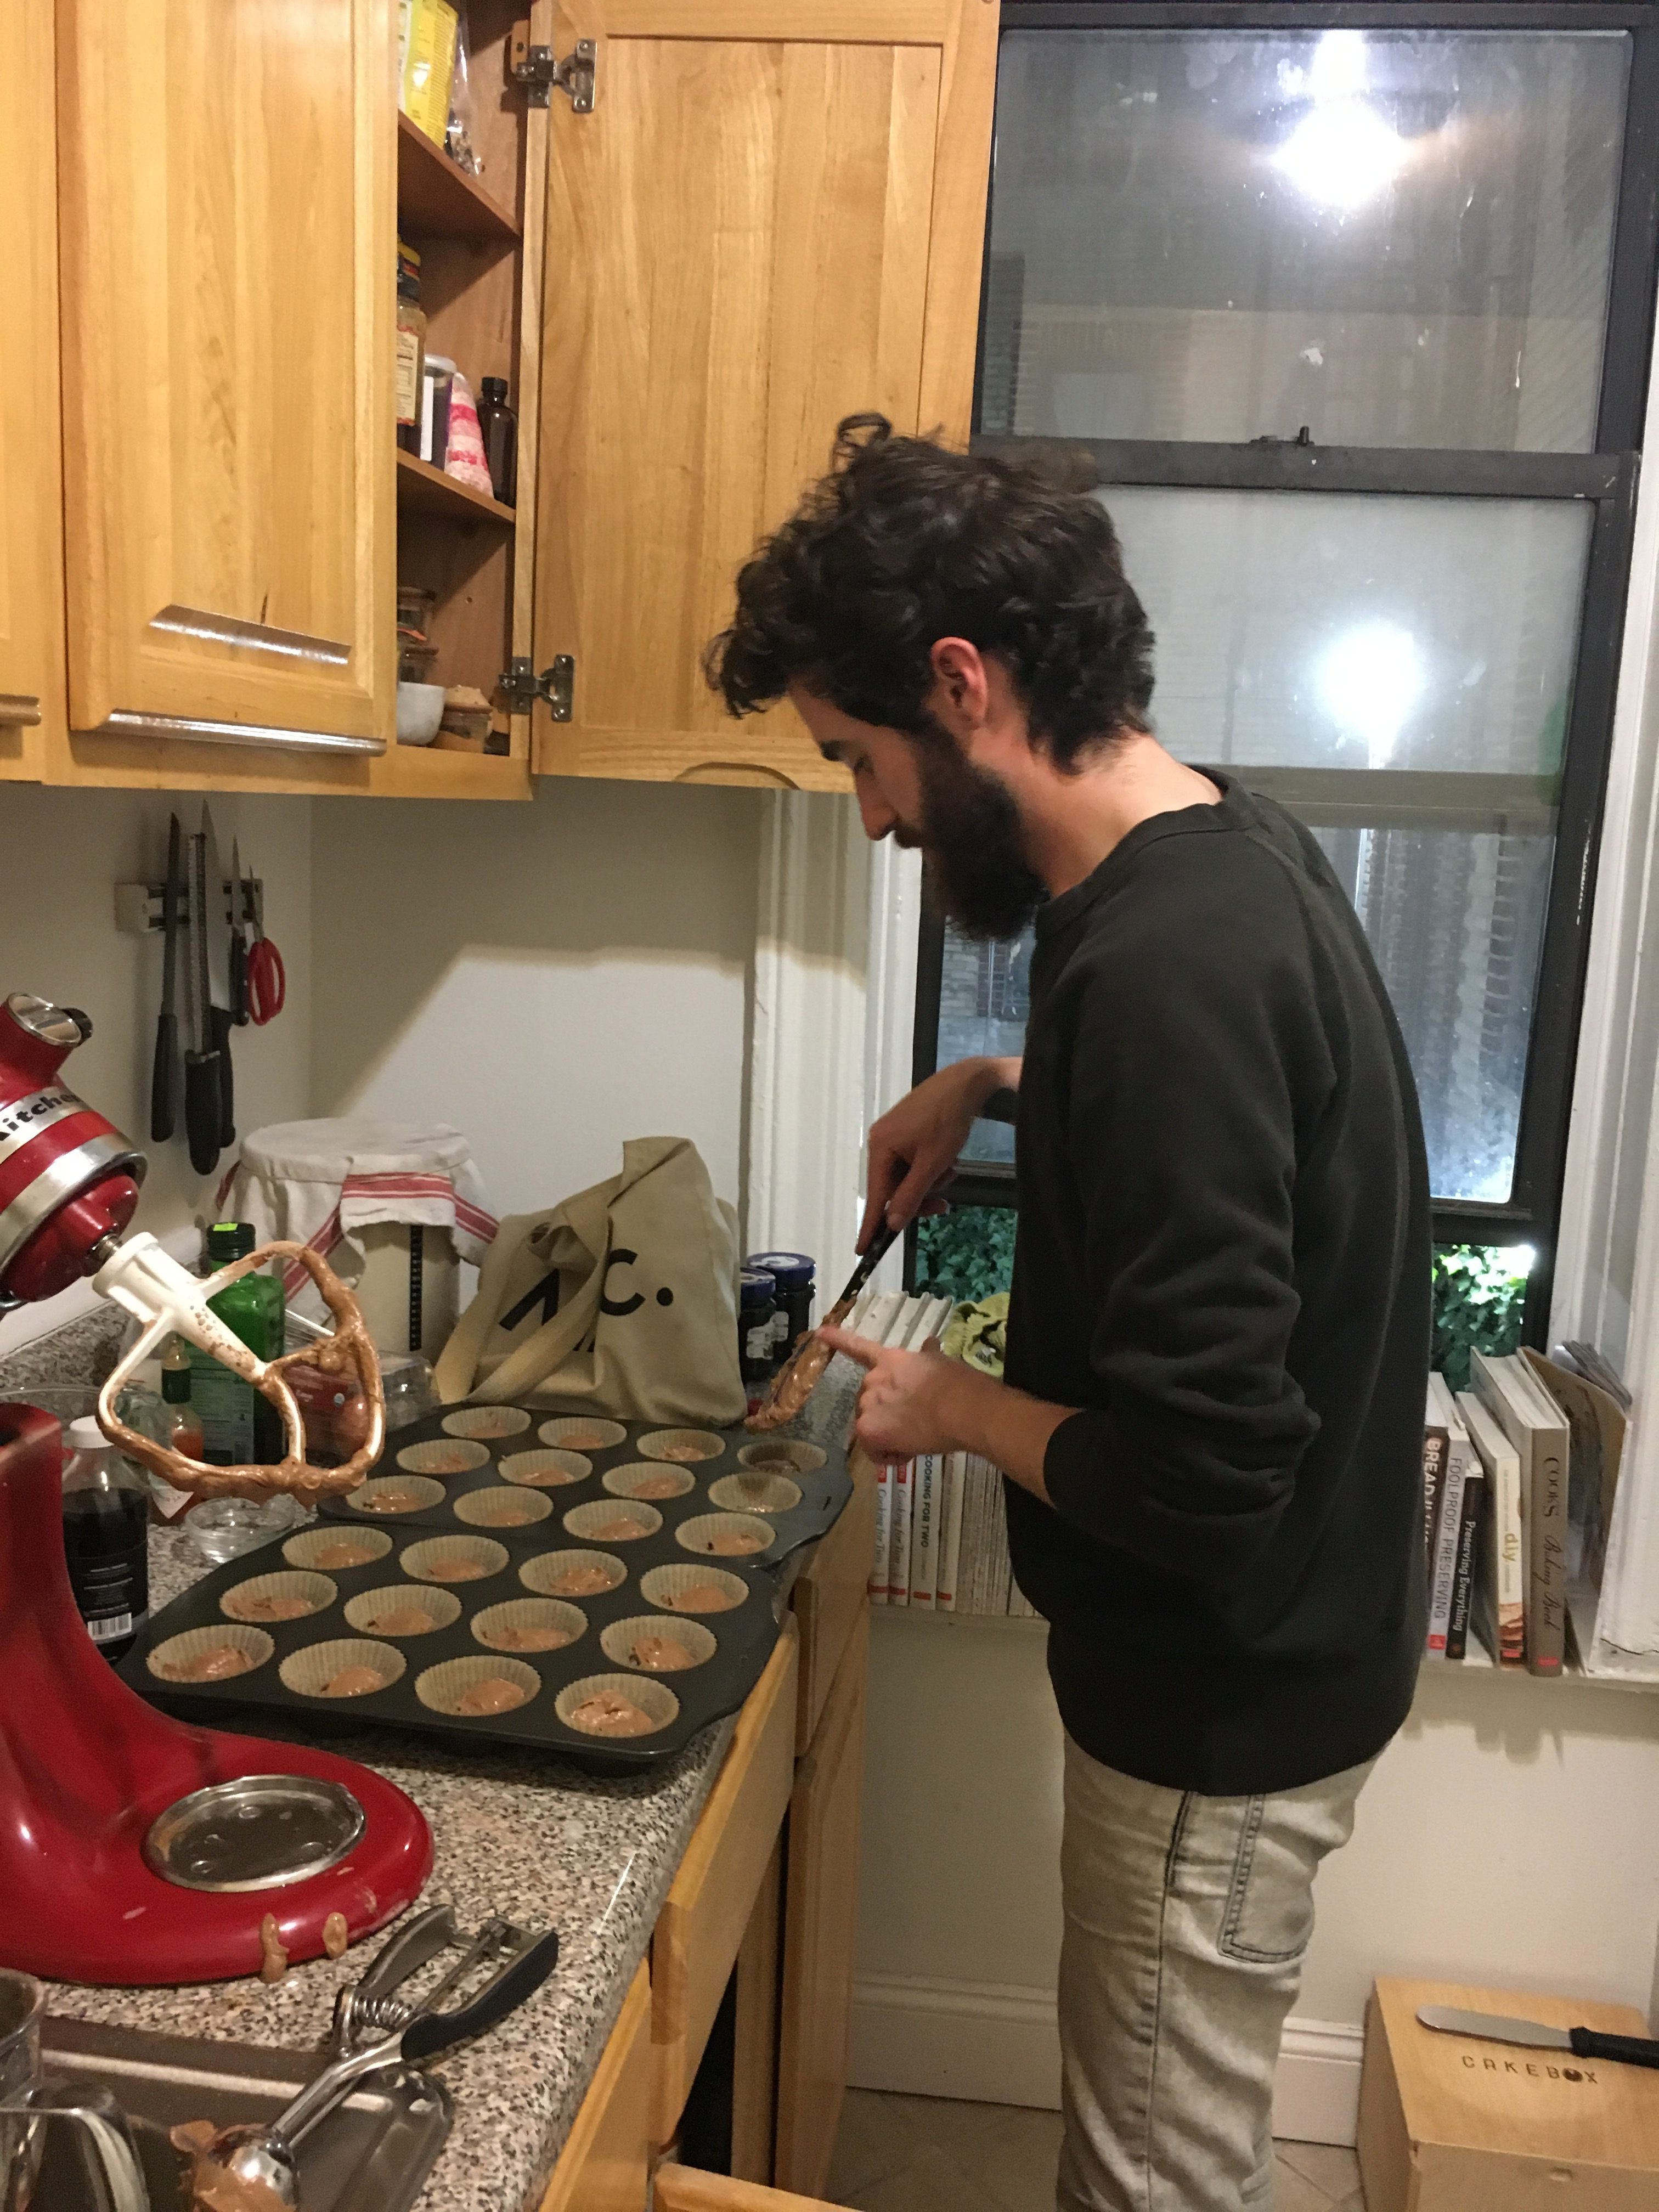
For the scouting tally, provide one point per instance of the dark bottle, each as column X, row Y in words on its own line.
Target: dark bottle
column 757, row 1312
column 795, row 1275
column 498, row 426
column 105, row 1538
column 240, row 1424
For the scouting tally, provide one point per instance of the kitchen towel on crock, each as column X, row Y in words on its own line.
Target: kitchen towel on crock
column 624, row 1296
column 320, row 1181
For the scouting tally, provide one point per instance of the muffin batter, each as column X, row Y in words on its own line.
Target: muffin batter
column 682, row 1452
column 274, row 1608
column 354, row 1682
column 660, row 1654
column 212, row 1665
column 403, row 1620
column 390, row 1501
column 530, row 1639
column 457, row 1570
column 511, row 1517
column 727, row 1543
column 656, row 1485
column 607, row 1713
column 494, row 1694
column 345, row 1555
column 583, row 1582
column 699, row 1597
column 449, row 1463
column 617, row 1531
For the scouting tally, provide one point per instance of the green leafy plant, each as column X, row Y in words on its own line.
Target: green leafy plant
column 966, row 1254
column 1480, row 1295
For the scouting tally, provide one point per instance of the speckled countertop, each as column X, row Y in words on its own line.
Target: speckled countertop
column 518, row 1833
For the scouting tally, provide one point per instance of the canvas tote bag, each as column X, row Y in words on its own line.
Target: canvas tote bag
column 622, row 1299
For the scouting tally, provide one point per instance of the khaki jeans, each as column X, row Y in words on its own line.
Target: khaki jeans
column 1186, row 1918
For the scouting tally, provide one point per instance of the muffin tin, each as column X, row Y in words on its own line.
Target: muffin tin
column 511, row 1572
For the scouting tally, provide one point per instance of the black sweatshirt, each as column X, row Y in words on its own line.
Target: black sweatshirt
column 1224, row 1258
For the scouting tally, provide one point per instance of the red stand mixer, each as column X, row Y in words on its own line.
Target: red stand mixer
column 134, row 1848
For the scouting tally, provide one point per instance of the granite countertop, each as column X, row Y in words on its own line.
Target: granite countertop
column 519, row 1834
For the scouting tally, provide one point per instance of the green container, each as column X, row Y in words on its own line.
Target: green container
column 239, row 1427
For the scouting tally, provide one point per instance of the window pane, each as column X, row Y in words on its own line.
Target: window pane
column 1330, row 630
column 1395, row 238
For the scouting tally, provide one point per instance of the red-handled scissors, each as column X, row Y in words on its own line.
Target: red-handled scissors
column 267, row 978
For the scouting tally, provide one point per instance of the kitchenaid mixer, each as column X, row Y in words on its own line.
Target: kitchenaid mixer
column 134, row 1848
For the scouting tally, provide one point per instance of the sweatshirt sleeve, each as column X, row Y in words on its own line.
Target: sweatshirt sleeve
column 1199, row 1056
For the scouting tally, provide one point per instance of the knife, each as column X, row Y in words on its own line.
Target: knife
column 201, row 1089
column 239, row 1005
column 1532, row 2035
column 161, row 1086
column 221, row 1012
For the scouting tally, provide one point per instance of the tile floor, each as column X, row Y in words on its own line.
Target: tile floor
column 937, row 2155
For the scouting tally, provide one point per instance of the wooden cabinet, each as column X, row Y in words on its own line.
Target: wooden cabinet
column 604, row 2165
column 706, row 1913
column 31, row 500
column 820, row 1926
column 772, row 216
column 225, row 186
column 683, row 2189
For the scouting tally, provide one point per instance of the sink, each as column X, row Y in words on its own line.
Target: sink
column 371, row 2153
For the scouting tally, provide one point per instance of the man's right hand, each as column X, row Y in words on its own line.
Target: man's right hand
column 915, row 1146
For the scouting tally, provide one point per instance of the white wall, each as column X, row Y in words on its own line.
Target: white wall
column 549, row 978
column 1509, row 1836
column 64, row 852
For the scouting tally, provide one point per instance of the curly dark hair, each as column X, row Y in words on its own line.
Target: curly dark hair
column 904, row 542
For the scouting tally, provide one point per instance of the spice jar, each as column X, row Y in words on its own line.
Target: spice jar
column 795, row 1275
column 411, row 349
column 757, row 1312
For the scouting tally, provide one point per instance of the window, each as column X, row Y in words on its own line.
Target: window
column 1352, row 306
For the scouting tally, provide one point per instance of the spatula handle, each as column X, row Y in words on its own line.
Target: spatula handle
column 1628, row 2049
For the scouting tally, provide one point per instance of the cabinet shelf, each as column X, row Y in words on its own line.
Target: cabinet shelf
column 436, row 199
column 422, row 489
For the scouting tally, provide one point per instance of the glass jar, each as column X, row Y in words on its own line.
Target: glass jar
column 757, row 1313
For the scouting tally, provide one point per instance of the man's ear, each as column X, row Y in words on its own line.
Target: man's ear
column 962, row 693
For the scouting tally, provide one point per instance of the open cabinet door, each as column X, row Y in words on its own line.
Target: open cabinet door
column 225, row 180
column 771, row 216
column 31, row 503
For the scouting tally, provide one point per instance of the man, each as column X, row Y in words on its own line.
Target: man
column 1212, row 1423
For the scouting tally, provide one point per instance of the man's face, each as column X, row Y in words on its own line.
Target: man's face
column 922, row 791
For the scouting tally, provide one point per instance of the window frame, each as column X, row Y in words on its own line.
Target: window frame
column 1605, row 478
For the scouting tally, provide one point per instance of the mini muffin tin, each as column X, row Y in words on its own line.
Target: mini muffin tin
column 585, row 1501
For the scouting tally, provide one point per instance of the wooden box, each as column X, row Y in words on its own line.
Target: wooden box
column 1449, row 2124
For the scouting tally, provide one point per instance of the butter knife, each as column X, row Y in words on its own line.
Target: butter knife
column 1532, row 2035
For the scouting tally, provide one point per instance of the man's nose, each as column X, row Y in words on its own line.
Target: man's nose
column 878, row 817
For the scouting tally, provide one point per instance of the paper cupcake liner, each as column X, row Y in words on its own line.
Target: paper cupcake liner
column 307, row 1670
column 754, row 1493
column 648, row 1691
column 582, row 1433
column 165, row 1659
column 661, row 1585
column 441, row 1606
column 546, row 1470
column 488, row 1422
column 301, row 1550
column 437, row 1457
column 695, row 1535
column 672, row 1443
column 441, row 1687
column 586, row 1521
column 541, row 1573
column 529, row 1613
column 617, row 1641
column 502, row 1509
column 640, row 1474
column 420, row 1559
column 423, row 1494
column 782, row 1457
column 316, row 1590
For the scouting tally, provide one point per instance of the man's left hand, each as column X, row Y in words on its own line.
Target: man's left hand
column 908, row 1399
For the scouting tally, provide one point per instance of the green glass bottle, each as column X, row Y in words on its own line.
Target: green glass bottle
column 239, row 1427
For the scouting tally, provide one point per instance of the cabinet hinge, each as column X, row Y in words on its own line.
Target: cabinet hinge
column 522, row 687
column 541, row 69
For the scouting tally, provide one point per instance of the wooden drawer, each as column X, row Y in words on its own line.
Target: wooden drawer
column 831, row 1594
column 683, row 2189
column 604, row 2167
column 701, row 1927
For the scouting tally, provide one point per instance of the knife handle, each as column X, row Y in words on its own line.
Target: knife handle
column 201, row 1102
column 238, row 1007
column 161, row 1087
column 1628, row 2049
column 223, row 1021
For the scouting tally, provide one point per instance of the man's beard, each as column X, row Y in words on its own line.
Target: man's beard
column 970, row 832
